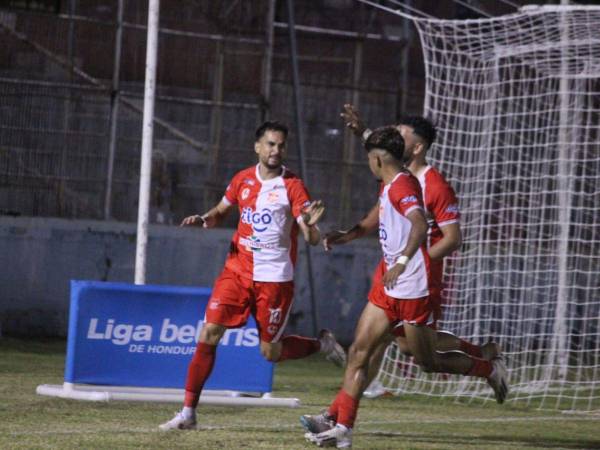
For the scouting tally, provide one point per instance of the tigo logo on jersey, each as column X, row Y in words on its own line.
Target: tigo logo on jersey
column 259, row 220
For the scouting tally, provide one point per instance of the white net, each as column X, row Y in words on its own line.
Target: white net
column 517, row 103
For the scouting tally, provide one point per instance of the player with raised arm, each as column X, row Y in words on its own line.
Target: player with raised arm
column 400, row 295
column 258, row 275
column 441, row 209
column 424, row 339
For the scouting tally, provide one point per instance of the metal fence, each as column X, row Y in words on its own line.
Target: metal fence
column 71, row 87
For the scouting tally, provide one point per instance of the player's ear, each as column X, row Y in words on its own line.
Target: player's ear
column 256, row 147
column 419, row 148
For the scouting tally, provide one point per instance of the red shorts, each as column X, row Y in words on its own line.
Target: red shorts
column 234, row 297
column 418, row 311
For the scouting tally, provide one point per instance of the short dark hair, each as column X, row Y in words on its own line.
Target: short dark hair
column 423, row 127
column 271, row 125
column 388, row 139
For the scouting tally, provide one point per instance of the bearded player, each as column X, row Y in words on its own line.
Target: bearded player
column 258, row 275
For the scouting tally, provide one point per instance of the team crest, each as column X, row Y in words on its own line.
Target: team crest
column 245, row 193
column 272, row 197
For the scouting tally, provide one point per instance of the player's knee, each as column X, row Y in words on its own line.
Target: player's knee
column 403, row 347
column 357, row 355
column 211, row 333
column 270, row 352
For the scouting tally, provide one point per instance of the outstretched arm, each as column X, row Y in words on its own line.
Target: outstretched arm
column 210, row 219
column 367, row 224
column 308, row 223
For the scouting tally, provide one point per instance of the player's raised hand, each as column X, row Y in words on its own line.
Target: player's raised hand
column 193, row 221
column 390, row 277
column 313, row 212
column 335, row 237
column 352, row 119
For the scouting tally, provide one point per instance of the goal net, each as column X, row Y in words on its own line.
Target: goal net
column 517, row 102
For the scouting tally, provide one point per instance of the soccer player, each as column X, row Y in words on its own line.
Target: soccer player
column 441, row 209
column 400, row 295
column 258, row 275
column 417, row 339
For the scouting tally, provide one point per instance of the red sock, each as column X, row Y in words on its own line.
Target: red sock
column 198, row 372
column 480, row 368
column 334, row 408
column 348, row 407
column 296, row 347
column 470, row 349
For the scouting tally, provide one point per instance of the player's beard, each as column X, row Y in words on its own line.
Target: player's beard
column 273, row 166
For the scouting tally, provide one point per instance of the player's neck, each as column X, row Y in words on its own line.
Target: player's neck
column 266, row 173
column 416, row 166
column 388, row 173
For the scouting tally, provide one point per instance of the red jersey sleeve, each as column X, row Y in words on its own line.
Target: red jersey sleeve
column 405, row 195
column 231, row 193
column 298, row 197
column 442, row 202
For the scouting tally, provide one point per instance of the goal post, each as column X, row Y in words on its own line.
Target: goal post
column 516, row 100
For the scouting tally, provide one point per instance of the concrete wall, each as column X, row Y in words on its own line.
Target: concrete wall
column 38, row 257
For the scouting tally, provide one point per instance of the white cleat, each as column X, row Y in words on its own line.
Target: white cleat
column 498, row 380
column 338, row 436
column 333, row 351
column 375, row 389
column 179, row 423
column 318, row 423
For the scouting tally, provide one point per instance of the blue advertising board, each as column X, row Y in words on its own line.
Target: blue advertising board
column 142, row 335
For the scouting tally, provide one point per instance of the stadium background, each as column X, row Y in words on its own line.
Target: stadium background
column 65, row 214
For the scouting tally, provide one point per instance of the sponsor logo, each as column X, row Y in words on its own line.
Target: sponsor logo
column 382, row 234
column 274, row 315
column 245, row 193
column 214, row 303
column 452, row 209
column 259, row 220
column 409, row 199
column 122, row 334
column 254, row 244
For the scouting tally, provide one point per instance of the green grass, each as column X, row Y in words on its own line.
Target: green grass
column 31, row 421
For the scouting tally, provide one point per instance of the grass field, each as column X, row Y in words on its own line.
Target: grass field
column 31, row 421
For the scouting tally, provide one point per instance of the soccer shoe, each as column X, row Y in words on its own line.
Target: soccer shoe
column 317, row 423
column 332, row 350
column 375, row 389
column 490, row 350
column 340, row 437
column 498, row 380
column 178, row 423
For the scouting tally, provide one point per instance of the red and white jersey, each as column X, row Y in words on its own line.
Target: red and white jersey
column 264, row 244
column 441, row 208
column 396, row 200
